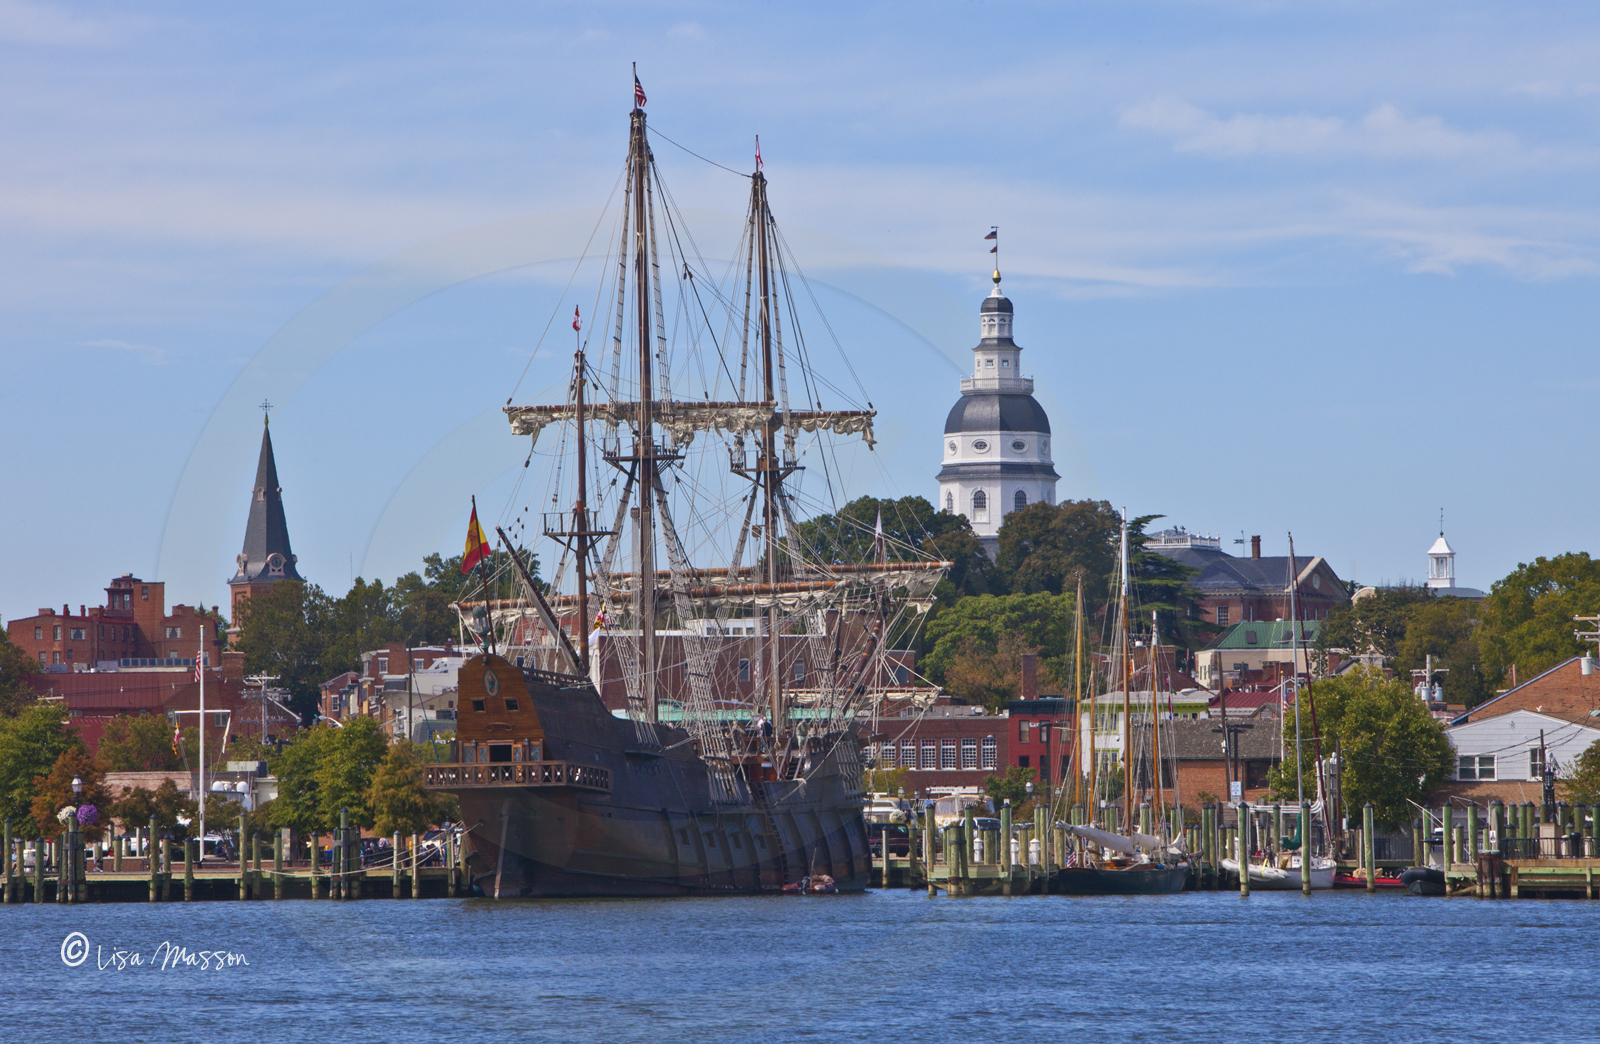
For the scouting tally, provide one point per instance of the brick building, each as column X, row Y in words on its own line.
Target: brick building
column 132, row 625
column 1255, row 588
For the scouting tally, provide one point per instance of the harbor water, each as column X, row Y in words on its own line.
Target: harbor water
column 884, row 966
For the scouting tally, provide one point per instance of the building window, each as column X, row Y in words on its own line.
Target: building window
column 990, row 753
column 1023, row 726
column 969, row 754
column 799, row 671
column 980, row 506
column 38, row 636
column 69, row 654
column 1222, row 616
column 949, row 506
column 383, row 668
column 144, row 596
column 886, row 756
column 1475, row 766
column 1019, row 501
column 744, row 676
column 1535, row 763
column 78, row 634
column 41, row 660
column 1018, row 445
column 908, row 754
column 174, row 632
column 220, row 720
column 947, row 754
column 1022, row 762
column 55, row 635
column 930, row 754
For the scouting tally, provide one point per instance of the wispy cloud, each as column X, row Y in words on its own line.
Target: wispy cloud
column 35, row 24
column 1383, row 133
column 144, row 352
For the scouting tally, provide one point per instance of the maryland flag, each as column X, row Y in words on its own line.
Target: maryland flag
column 477, row 547
column 176, row 736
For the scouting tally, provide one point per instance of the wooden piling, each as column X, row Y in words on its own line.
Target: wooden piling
column 1472, row 834
column 416, row 866
column 1244, row 850
column 1447, row 834
column 188, row 870
column 1004, row 854
column 277, row 864
column 394, row 869
column 1369, row 852
column 10, row 883
column 1305, row 848
column 155, row 863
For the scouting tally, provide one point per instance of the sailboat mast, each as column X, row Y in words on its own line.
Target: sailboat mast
column 644, row 430
column 1294, row 674
column 768, row 464
column 1077, row 699
column 580, row 516
column 1127, row 686
column 1155, row 717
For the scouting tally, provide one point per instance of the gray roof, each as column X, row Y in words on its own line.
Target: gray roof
column 998, row 471
column 1201, row 739
column 994, row 412
column 1220, row 572
column 267, row 532
column 996, row 304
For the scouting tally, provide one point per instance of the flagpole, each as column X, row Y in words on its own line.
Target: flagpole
column 199, row 669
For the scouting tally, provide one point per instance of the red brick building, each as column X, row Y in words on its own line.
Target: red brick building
column 1234, row 590
column 133, row 624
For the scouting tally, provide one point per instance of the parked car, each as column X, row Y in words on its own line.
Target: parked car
column 898, row 835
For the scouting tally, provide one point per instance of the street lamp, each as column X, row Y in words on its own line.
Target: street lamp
column 1029, row 788
column 77, row 786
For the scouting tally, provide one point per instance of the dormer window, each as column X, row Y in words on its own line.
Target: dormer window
column 989, row 363
column 1005, row 362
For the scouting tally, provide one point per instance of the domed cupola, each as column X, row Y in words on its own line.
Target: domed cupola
column 997, row 436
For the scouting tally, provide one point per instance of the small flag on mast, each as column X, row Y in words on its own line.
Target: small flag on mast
column 758, row 152
column 477, row 547
column 994, row 234
column 577, row 320
column 638, row 91
column 877, row 539
column 175, row 736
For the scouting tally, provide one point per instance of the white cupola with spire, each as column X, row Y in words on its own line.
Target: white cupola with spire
column 1441, row 563
column 997, row 436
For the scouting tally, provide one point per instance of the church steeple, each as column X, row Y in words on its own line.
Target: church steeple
column 267, row 557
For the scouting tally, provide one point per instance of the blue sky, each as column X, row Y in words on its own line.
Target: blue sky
column 1326, row 268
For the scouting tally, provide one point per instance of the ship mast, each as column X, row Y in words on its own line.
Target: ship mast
column 1127, row 686
column 767, row 466
column 644, row 432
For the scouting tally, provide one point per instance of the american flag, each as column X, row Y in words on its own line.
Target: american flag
column 638, row 91
column 199, row 665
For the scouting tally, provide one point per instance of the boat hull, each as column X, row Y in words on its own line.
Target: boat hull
column 1139, row 879
column 631, row 810
column 1423, row 880
column 1278, row 879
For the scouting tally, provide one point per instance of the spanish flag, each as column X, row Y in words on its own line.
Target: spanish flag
column 477, row 547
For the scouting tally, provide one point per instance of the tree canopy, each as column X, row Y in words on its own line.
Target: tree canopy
column 1393, row 751
column 15, row 666
column 325, row 770
column 976, row 626
column 1527, row 617
column 138, row 743
column 398, row 798
column 53, row 792
column 30, row 743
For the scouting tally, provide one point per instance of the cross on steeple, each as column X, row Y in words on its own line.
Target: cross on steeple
column 266, row 410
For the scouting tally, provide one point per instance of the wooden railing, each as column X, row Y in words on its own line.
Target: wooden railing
column 520, row 774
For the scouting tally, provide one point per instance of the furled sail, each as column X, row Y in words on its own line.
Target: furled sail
column 682, row 420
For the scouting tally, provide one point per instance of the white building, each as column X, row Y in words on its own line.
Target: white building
column 997, row 436
column 1512, row 747
column 1442, row 571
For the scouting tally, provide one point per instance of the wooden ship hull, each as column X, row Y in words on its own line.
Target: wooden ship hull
column 559, row 797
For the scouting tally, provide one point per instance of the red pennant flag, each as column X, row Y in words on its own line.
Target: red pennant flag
column 758, row 152
column 477, row 547
column 577, row 321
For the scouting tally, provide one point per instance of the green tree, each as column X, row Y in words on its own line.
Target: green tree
column 299, row 803
column 1012, row 786
column 138, row 743
column 1048, row 547
column 173, row 811
column 1392, row 750
column 1446, row 628
column 1580, row 782
column 988, row 678
column 398, row 798
column 15, row 666
column 1527, row 617
column 30, row 743
column 1375, row 623
column 53, row 792
column 282, row 633
column 975, row 626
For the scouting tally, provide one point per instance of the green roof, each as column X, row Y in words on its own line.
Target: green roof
column 1264, row 634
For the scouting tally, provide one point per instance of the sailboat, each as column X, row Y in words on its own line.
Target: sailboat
column 1125, row 862
column 699, row 728
column 1288, row 872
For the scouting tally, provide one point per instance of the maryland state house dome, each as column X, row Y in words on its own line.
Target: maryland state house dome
column 997, row 436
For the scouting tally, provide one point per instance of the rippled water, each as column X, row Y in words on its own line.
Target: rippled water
column 885, row 966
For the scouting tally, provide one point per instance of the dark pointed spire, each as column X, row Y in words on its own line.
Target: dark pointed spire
column 266, row 557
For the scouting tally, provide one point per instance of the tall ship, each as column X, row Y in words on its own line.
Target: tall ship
column 680, row 705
